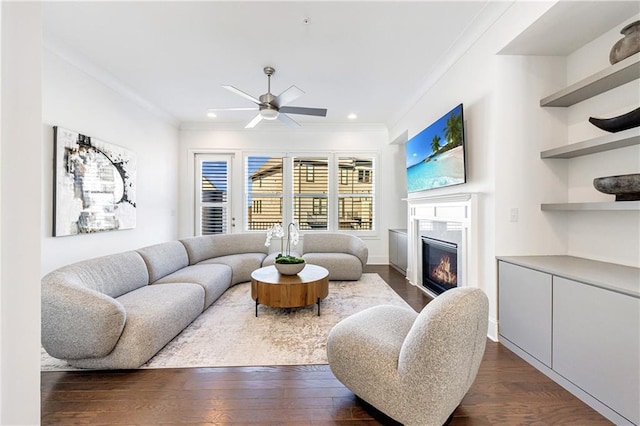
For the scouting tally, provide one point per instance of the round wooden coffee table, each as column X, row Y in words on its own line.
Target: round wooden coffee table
column 270, row 288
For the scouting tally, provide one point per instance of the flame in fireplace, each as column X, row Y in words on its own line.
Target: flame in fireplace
column 443, row 272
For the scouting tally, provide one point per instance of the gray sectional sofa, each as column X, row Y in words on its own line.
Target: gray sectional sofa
column 117, row 311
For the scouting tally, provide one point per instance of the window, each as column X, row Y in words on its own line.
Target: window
column 212, row 194
column 310, row 177
column 319, row 206
column 356, row 206
column 310, row 196
column 364, row 176
column 344, row 177
column 318, row 192
column 264, row 190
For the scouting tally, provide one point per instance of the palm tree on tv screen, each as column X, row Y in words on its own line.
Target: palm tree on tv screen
column 453, row 130
column 435, row 143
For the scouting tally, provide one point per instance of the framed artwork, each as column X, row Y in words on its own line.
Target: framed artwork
column 94, row 185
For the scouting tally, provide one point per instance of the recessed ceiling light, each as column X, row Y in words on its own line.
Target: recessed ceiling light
column 211, row 114
column 352, row 116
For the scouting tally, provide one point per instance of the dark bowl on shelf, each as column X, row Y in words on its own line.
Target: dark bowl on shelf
column 619, row 123
column 624, row 187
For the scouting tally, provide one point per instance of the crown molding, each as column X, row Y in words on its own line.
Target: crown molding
column 484, row 20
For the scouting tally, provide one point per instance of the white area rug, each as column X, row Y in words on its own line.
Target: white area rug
column 229, row 334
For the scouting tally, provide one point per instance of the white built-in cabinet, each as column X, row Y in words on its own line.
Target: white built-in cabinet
column 398, row 249
column 577, row 321
column 524, row 304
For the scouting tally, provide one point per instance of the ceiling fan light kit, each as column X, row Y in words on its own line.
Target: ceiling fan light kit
column 272, row 107
column 269, row 113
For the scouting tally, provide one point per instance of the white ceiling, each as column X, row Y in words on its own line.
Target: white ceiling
column 374, row 59
column 367, row 58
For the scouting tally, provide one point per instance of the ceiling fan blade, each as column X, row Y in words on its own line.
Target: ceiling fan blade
column 288, row 96
column 243, row 94
column 319, row 112
column 252, row 123
column 288, row 120
column 233, row 109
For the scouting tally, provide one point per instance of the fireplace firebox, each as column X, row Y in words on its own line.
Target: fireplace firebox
column 439, row 265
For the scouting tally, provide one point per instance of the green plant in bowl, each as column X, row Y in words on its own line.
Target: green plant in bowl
column 284, row 259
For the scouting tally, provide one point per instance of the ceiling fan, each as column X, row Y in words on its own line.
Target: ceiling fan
column 272, row 107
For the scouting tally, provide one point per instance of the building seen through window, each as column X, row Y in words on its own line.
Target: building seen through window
column 306, row 183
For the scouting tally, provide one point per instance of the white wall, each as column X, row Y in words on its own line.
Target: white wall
column 20, row 212
column 272, row 137
column 498, row 93
column 77, row 101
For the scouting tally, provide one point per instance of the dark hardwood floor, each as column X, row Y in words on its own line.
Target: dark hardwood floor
column 507, row 391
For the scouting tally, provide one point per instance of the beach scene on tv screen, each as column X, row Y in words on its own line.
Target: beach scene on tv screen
column 435, row 156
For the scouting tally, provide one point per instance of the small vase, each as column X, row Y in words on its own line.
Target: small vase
column 628, row 45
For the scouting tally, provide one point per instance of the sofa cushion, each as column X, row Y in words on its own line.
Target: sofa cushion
column 163, row 259
column 341, row 266
column 214, row 278
column 242, row 265
column 210, row 246
column 155, row 315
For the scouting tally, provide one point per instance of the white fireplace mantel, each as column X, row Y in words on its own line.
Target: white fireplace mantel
column 457, row 209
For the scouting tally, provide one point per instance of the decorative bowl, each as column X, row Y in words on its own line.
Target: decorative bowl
column 624, row 187
column 290, row 268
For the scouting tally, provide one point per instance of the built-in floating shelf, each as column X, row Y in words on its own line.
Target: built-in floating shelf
column 602, row 206
column 616, row 75
column 603, row 143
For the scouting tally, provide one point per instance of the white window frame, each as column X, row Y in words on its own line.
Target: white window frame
column 200, row 158
column 333, row 192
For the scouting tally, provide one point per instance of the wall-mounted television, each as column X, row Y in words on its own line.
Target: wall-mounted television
column 436, row 155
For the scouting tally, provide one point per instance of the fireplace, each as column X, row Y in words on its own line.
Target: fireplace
column 439, row 265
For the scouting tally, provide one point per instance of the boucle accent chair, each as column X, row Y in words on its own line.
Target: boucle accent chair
column 415, row 368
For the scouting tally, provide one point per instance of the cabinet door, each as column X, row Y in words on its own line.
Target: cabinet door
column 402, row 250
column 524, row 309
column 596, row 343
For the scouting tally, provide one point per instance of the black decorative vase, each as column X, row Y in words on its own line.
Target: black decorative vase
column 628, row 45
column 619, row 123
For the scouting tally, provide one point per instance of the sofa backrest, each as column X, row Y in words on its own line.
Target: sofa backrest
column 163, row 259
column 112, row 275
column 211, row 246
column 335, row 243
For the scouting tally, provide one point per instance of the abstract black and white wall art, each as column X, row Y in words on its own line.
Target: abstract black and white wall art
column 94, row 185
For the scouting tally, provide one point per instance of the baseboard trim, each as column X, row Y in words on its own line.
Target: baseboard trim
column 492, row 333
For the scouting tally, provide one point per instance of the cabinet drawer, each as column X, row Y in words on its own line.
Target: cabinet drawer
column 596, row 343
column 524, row 309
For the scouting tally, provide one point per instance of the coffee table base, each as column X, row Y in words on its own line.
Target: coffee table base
column 257, row 303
